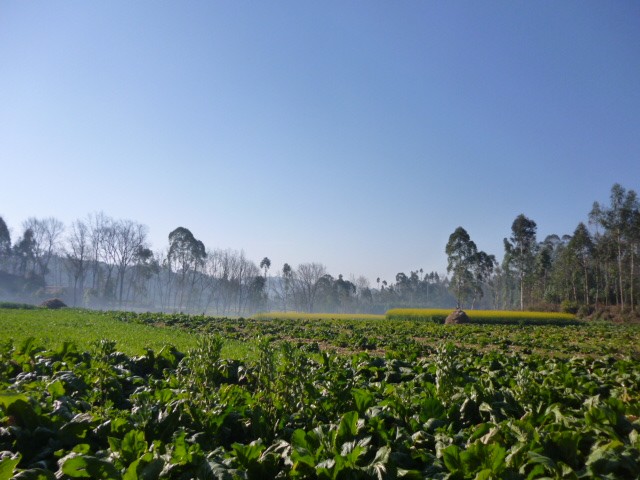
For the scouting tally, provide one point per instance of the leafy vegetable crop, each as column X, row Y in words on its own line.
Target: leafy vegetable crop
column 453, row 413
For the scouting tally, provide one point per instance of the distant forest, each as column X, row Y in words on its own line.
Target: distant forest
column 105, row 263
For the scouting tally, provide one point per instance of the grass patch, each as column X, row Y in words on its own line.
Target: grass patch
column 51, row 328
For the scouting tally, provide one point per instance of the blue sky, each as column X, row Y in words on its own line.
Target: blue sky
column 356, row 134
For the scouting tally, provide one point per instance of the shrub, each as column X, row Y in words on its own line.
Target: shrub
column 568, row 306
column 17, row 306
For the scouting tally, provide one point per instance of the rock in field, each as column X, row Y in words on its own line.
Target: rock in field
column 53, row 303
column 457, row 316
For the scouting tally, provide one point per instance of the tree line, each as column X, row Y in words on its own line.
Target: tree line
column 591, row 268
column 102, row 262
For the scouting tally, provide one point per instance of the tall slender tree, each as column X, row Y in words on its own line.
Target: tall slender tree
column 520, row 251
column 580, row 247
column 617, row 221
column 461, row 252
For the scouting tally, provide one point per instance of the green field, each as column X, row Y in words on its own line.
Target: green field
column 325, row 398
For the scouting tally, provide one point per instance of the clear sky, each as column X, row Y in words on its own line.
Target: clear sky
column 358, row 134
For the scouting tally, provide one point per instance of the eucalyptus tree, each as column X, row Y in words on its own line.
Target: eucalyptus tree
column 346, row 291
column 363, row 290
column 265, row 264
column 145, row 266
column 580, row 247
column 257, row 292
column 283, row 286
column 618, row 221
column 520, row 250
column 543, row 271
column 461, row 254
column 187, row 256
column 327, row 296
column 482, row 268
column 634, row 241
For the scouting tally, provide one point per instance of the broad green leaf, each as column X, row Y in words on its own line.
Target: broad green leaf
column 485, row 474
column 546, row 462
column 7, row 466
column 247, row 454
column 23, row 413
column 56, row 389
column 180, row 454
column 299, row 439
column 120, row 425
column 84, row 466
column 84, row 448
column 480, row 431
column 144, row 468
column 410, row 474
column 451, row 458
column 133, row 445
column 347, row 429
column 363, row 399
column 35, row 474
column 8, row 398
column 432, row 408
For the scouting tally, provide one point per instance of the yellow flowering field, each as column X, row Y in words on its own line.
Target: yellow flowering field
column 482, row 316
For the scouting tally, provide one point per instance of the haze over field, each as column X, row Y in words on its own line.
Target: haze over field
column 359, row 135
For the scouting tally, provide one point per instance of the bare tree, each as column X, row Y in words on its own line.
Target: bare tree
column 46, row 238
column 306, row 285
column 77, row 254
column 98, row 224
column 108, row 258
column 130, row 238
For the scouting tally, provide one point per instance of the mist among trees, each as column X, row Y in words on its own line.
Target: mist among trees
column 106, row 263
